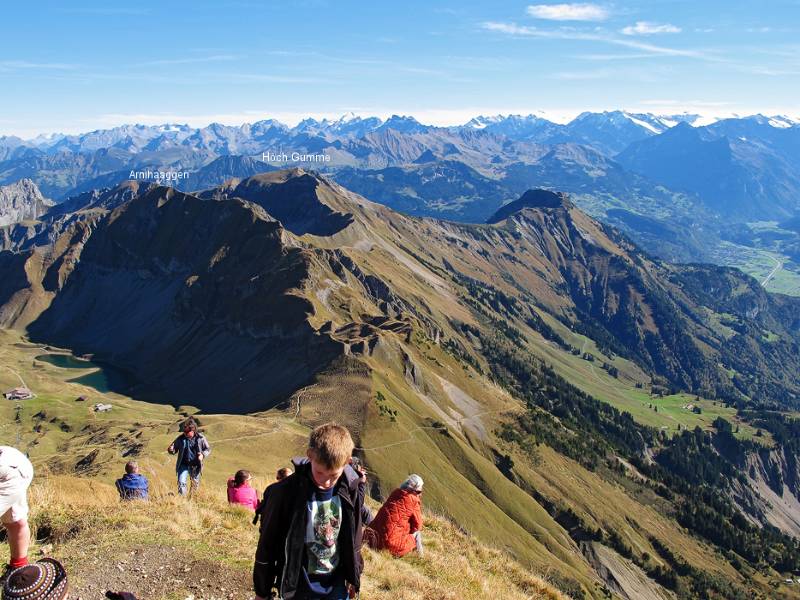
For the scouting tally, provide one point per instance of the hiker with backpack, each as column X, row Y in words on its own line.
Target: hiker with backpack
column 16, row 474
column 397, row 525
column 133, row 485
column 310, row 543
column 192, row 449
column 240, row 492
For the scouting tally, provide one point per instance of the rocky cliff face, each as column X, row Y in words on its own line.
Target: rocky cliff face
column 772, row 493
column 21, row 201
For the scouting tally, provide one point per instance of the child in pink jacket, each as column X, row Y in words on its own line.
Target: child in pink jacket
column 240, row 492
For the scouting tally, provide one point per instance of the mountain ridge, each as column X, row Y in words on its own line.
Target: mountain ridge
column 458, row 343
column 352, row 121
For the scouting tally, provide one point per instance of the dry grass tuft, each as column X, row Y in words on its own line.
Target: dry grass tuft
column 455, row 567
column 74, row 514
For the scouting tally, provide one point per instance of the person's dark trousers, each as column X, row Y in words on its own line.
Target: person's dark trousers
column 339, row 592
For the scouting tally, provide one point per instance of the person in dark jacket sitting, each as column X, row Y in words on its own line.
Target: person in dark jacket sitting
column 310, row 544
column 133, row 485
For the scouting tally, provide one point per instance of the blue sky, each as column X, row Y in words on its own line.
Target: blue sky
column 77, row 66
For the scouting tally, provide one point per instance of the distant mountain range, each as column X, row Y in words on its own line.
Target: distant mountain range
column 679, row 185
column 744, row 168
column 610, row 130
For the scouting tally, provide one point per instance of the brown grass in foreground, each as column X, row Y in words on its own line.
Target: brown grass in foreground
column 81, row 522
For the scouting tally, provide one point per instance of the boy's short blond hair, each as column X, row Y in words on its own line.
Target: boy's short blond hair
column 331, row 445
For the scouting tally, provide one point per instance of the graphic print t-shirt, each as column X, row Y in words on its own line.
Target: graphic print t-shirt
column 322, row 534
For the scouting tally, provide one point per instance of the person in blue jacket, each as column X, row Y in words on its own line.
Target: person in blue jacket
column 133, row 485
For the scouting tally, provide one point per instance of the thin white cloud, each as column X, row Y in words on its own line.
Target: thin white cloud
column 664, row 50
column 24, row 65
column 647, row 75
column 585, row 75
column 568, row 12
column 671, row 104
column 609, row 57
column 187, row 61
column 108, row 11
column 648, row 28
column 771, row 71
column 568, row 34
column 257, row 77
column 512, row 29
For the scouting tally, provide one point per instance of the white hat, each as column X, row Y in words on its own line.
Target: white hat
column 413, row 483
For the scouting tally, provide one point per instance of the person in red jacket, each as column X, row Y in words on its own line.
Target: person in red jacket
column 240, row 492
column 397, row 525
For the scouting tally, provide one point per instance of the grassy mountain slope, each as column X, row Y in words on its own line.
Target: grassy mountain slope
column 78, row 453
column 431, row 340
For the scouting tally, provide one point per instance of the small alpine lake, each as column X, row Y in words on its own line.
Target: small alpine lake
column 103, row 376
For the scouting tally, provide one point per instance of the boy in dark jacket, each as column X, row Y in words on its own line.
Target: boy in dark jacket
column 133, row 485
column 310, row 544
column 192, row 449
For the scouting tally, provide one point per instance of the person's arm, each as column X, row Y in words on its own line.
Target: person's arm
column 271, row 542
column 171, row 448
column 366, row 515
column 362, row 490
column 205, row 447
column 261, row 505
column 415, row 521
column 257, row 514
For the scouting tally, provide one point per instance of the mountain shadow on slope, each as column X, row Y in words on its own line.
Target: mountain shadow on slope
column 195, row 298
column 295, row 199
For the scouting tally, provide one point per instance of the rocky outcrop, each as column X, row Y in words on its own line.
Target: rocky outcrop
column 102, row 199
column 532, row 199
column 21, row 201
column 621, row 576
column 295, row 199
column 772, row 495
